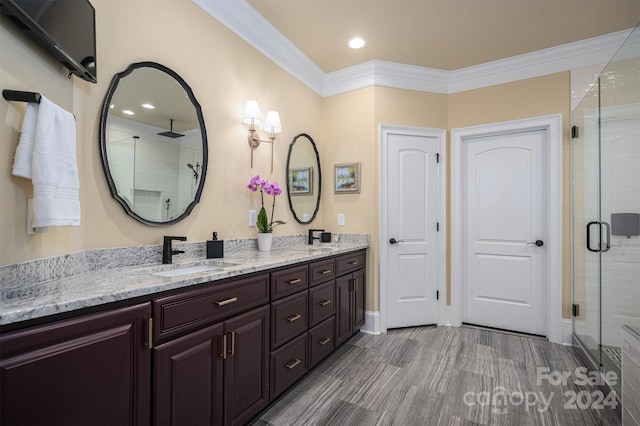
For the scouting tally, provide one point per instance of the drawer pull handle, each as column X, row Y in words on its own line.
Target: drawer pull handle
column 353, row 262
column 293, row 364
column 295, row 281
column 226, row 302
column 293, row 318
column 326, row 271
column 325, row 302
column 324, row 341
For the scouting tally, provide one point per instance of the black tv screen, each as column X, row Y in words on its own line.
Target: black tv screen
column 65, row 28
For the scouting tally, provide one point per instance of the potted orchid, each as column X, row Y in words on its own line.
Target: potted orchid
column 265, row 226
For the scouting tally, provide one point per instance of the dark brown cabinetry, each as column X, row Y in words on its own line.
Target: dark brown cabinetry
column 216, row 355
column 219, row 374
column 90, row 370
column 350, row 295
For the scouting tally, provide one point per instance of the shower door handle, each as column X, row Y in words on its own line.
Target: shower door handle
column 607, row 246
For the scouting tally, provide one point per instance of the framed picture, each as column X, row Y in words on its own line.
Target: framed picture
column 301, row 181
column 347, row 178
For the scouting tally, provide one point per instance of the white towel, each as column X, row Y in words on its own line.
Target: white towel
column 46, row 154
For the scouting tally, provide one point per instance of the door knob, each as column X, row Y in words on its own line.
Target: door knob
column 394, row 241
column 539, row 243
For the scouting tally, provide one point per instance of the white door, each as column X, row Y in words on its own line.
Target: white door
column 411, row 237
column 503, row 218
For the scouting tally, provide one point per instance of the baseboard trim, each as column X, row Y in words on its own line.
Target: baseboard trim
column 371, row 323
column 567, row 332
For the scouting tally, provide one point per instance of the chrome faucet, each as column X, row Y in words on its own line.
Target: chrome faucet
column 168, row 251
column 311, row 237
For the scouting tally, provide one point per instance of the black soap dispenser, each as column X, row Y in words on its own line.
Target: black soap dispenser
column 215, row 247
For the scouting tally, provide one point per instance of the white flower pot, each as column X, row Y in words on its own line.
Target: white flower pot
column 264, row 241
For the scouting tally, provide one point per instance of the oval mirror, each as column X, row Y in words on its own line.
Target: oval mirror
column 303, row 178
column 153, row 144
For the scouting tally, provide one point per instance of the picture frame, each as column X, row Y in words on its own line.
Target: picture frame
column 301, row 181
column 347, row 178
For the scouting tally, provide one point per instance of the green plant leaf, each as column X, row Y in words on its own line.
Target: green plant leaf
column 263, row 221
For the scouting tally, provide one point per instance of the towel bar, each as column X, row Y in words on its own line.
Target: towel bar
column 19, row 96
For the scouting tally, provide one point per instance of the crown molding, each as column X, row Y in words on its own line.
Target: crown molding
column 244, row 20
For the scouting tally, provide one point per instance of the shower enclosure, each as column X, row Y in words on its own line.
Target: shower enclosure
column 606, row 210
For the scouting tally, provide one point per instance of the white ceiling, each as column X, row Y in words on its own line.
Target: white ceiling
column 442, row 34
column 442, row 46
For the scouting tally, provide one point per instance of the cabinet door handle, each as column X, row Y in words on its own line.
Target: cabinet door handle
column 355, row 285
column 326, row 271
column 226, row 302
column 233, row 343
column 353, row 262
column 325, row 302
column 295, row 281
column 293, row 363
column 324, row 341
column 293, row 318
column 223, row 355
column 149, row 333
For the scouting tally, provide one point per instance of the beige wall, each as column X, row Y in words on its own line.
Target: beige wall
column 224, row 72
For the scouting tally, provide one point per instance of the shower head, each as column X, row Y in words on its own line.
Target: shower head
column 195, row 172
column 171, row 133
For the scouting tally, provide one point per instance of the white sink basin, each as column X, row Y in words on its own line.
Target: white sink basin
column 187, row 271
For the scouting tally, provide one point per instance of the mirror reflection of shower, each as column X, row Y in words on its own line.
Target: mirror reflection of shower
column 195, row 169
column 168, row 202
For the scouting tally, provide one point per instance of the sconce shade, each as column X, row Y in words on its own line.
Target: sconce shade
column 272, row 123
column 252, row 112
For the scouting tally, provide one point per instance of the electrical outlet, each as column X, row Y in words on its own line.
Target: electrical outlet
column 340, row 219
column 253, row 218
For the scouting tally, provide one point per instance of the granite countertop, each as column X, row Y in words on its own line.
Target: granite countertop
column 28, row 299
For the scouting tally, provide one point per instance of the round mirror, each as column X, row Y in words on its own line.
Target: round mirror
column 303, row 178
column 153, row 144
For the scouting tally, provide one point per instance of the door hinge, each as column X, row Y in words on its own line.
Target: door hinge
column 575, row 310
column 574, row 132
column 437, row 294
column 437, row 157
column 437, row 226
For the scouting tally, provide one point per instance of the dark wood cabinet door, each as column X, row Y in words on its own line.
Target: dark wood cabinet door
column 343, row 309
column 89, row 370
column 188, row 379
column 359, row 299
column 246, row 369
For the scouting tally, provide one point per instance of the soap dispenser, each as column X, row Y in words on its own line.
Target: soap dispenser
column 215, row 247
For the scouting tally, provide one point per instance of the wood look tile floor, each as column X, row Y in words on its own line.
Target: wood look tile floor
column 444, row 376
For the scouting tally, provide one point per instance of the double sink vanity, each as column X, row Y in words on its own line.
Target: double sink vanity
column 201, row 341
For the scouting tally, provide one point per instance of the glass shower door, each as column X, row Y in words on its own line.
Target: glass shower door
column 586, row 229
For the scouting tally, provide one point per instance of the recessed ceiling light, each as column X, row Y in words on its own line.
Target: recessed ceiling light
column 148, row 106
column 128, row 112
column 356, row 42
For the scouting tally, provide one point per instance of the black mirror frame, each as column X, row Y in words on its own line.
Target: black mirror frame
column 103, row 141
column 315, row 150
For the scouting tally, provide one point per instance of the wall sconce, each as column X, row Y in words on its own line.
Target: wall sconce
column 253, row 117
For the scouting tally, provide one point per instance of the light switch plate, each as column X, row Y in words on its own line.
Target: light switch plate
column 253, row 218
column 340, row 219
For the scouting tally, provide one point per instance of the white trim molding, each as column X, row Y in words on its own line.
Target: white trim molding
column 371, row 323
column 246, row 22
column 441, row 135
column 567, row 332
column 552, row 124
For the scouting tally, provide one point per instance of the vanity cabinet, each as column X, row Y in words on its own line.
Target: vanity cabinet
column 218, row 374
column 90, row 370
column 350, row 295
column 214, row 355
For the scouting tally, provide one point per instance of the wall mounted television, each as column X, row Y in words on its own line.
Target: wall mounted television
column 64, row 28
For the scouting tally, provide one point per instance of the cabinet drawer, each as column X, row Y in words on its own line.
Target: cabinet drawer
column 288, row 281
column 288, row 364
column 321, row 302
column 182, row 312
column 321, row 271
column 288, row 318
column 321, row 341
column 350, row 262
